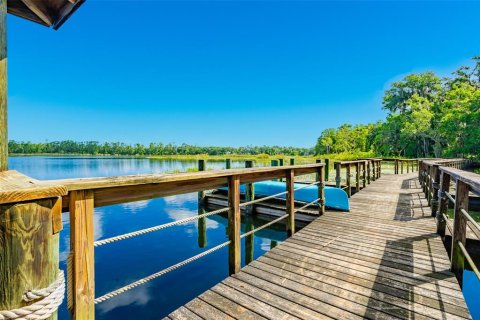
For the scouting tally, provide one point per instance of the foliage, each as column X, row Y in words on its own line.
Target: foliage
column 427, row 117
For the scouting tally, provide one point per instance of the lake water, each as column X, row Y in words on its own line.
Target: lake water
column 123, row 262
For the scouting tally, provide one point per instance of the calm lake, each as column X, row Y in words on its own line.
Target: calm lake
column 123, row 262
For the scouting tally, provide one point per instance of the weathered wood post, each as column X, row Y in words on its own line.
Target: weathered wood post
column 349, row 185
column 357, row 176
column 321, row 189
column 459, row 230
column 274, row 163
column 401, row 166
column 435, row 188
column 338, row 177
column 202, row 222
column 317, row 176
column 201, row 194
column 290, row 202
column 29, row 240
column 407, row 164
column 443, row 203
column 368, row 171
column 379, row 168
column 430, row 184
column 81, row 258
column 364, row 173
column 395, row 166
column 234, row 251
column 249, row 190
column 280, row 162
column 374, row 170
column 228, row 163
column 3, row 87
column 327, row 169
column 292, row 161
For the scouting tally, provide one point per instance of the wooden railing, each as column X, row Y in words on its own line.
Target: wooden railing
column 366, row 170
column 436, row 177
column 401, row 166
column 81, row 196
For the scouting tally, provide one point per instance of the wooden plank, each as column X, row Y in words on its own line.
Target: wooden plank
column 382, row 260
column 183, row 313
column 234, row 251
column 82, row 252
column 206, row 311
column 228, row 306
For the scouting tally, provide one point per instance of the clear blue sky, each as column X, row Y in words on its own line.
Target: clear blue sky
column 224, row 72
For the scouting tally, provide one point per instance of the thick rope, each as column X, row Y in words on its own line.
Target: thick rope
column 114, row 293
column 49, row 299
column 156, row 228
column 319, row 201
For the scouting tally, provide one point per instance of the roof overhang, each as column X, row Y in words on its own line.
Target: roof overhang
column 50, row 13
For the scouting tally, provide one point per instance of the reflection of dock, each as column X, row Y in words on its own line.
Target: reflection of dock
column 381, row 260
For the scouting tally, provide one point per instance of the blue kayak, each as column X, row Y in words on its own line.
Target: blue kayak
column 335, row 198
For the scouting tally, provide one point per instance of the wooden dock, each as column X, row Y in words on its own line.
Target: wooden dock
column 382, row 260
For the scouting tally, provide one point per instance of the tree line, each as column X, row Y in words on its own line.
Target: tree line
column 153, row 149
column 428, row 116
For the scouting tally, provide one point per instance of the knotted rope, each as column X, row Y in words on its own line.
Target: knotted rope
column 49, row 299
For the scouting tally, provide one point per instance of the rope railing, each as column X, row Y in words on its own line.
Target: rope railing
column 308, row 205
column 162, row 272
column 157, row 228
column 469, row 259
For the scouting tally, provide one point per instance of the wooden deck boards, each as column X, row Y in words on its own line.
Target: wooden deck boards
column 382, row 260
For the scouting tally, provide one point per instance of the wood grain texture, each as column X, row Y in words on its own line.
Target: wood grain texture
column 290, row 202
column 381, row 260
column 82, row 251
column 29, row 250
column 234, row 251
column 3, row 87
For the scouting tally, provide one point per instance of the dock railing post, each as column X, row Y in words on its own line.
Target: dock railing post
column 318, row 174
column 201, row 194
column 338, row 177
column 321, row 189
column 29, row 237
column 379, row 168
column 327, row 169
column 280, row 162
column 357, row 177
column 459, row 229
column 228, row 163
column 249, row 189
column 364, row 173
column 234, row 251
column 290, row 202
column 81, row 259
column 395, row 166
column 368, row 171
column 349, row 180
column 443, row 203
column 274, row 163
column 435, row 188
column 292, row 161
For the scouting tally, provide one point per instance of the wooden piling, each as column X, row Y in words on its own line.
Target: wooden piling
column 249, row 189
column 327, row 169
column 368, row 171
column 349, row 185
column 364, row 174
column 435, row 188
column 459, row 230
column 201, row 194
column 81, row 257
column 321, row 190
column 374, row 171
column 29, row 254
column 338, row 177
column 292, row 161
column 443, row 204
column 318, row 175
column 228, row 163
column 280, row 162
column 234, row 251
column 249, row 240
column 3, row 87
column 357, row 177
column 290, row 202
column 274, row 163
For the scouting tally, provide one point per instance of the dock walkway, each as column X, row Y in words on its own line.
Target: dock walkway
column 382, row 260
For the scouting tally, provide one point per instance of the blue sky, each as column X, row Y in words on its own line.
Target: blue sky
column 224, row 72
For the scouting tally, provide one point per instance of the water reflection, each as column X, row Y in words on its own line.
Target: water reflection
column 123, row 262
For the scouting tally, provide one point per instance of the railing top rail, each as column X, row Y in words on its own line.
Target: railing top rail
column 439, row 162
column 399, row 159
column 350, row 162
column 470, row 178
column 120, row 181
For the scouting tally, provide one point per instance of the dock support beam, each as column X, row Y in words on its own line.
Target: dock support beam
column 234, row 251
column 3, row 87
